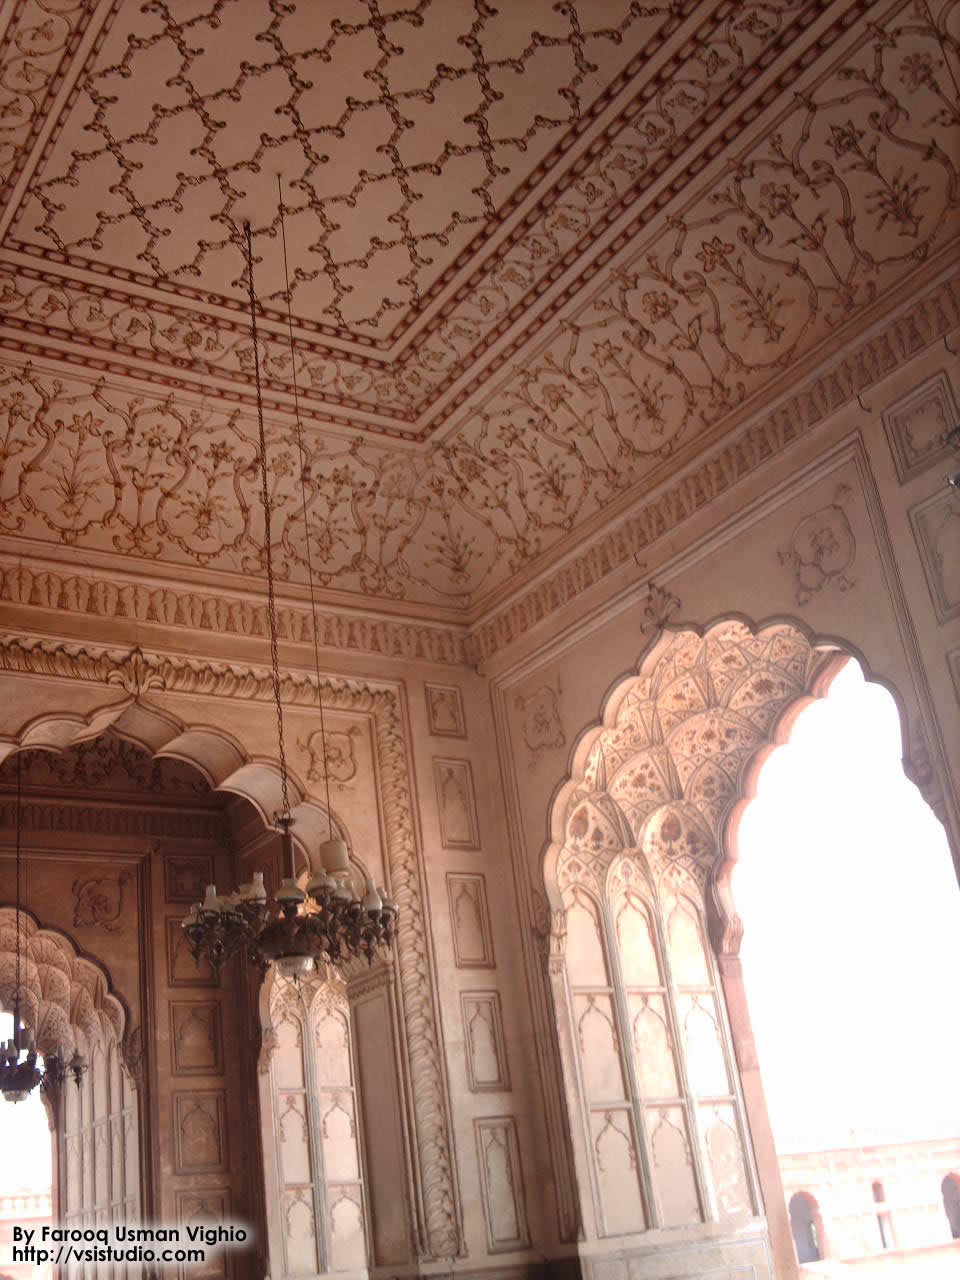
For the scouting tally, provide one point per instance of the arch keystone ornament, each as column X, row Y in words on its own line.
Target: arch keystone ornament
column 73, row 676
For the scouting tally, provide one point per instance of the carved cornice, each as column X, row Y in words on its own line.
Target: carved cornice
column 113, row 821
column 135, row 669
column 200, row 611
column 931, row 318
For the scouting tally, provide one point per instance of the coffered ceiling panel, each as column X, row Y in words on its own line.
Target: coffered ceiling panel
column 544, row 255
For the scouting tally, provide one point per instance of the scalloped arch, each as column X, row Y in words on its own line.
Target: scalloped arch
column 217, row 756
column 673, row 760
column 67, row 997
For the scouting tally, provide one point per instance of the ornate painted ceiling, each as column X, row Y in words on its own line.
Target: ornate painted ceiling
column 543, row 255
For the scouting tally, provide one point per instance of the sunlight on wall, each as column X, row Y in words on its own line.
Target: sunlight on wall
column 24, row 1129
column 851, row 915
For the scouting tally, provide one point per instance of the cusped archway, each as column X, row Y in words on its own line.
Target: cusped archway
column 65, row 997
column 643, row 838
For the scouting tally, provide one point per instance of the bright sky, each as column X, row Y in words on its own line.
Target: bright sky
column 851, row 915
column 24, row 1130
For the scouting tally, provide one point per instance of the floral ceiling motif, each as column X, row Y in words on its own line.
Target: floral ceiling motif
column 585, row 239
column 663, row 771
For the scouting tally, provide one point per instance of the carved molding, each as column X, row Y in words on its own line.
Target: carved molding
column 172, row 606
column 80, row 819
column 433, row 1146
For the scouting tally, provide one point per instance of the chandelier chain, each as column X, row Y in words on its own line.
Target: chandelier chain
column 303, row 495
column 265, row 495
column 16, row 991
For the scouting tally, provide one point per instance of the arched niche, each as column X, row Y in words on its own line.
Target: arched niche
column 662, row 780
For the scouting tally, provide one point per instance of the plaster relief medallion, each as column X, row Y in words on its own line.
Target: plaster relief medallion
column 445, row 711
column 185, row 876
column 341, row 760
column 457, row 808
column 470, row 920
column 917, row 426
column 936, row 528
column 541, row 727
column 98, row 902
column 822, row 549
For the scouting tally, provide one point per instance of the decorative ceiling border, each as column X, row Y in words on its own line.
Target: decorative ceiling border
column 41, row 81
column 135, row 672
column 166, row 606
column 84, row 594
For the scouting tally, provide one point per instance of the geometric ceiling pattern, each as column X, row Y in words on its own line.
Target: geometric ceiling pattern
column 541, row 257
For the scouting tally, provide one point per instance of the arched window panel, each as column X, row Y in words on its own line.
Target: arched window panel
column 586, row 953
column 339, row 1131
column 674, row 1173
column 617, row 1167
column 723, row 1139
column 295, row 1163
column 323, row 1204
column 709, row 1069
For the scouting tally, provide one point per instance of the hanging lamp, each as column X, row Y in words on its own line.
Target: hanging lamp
column 326, row 923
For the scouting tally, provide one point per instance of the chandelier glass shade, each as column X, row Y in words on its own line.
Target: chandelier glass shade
column 326, row 922
column 20, row 1072
column 297, row 930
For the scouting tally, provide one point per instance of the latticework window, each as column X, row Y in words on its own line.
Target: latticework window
column 665, row 1131
column 322, row 1201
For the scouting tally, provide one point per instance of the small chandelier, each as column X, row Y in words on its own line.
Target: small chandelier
column 19, row 1073
column 295, row 930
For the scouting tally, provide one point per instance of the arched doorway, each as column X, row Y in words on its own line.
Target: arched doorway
column 26, row 1181
column 218, row 716
column 68, row 1003
column 847, row 951
column 807, row 1227
column 950, row 1191
column 658, row 786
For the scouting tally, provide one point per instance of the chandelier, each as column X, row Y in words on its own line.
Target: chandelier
column 326, row 923
column 19, row 1073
